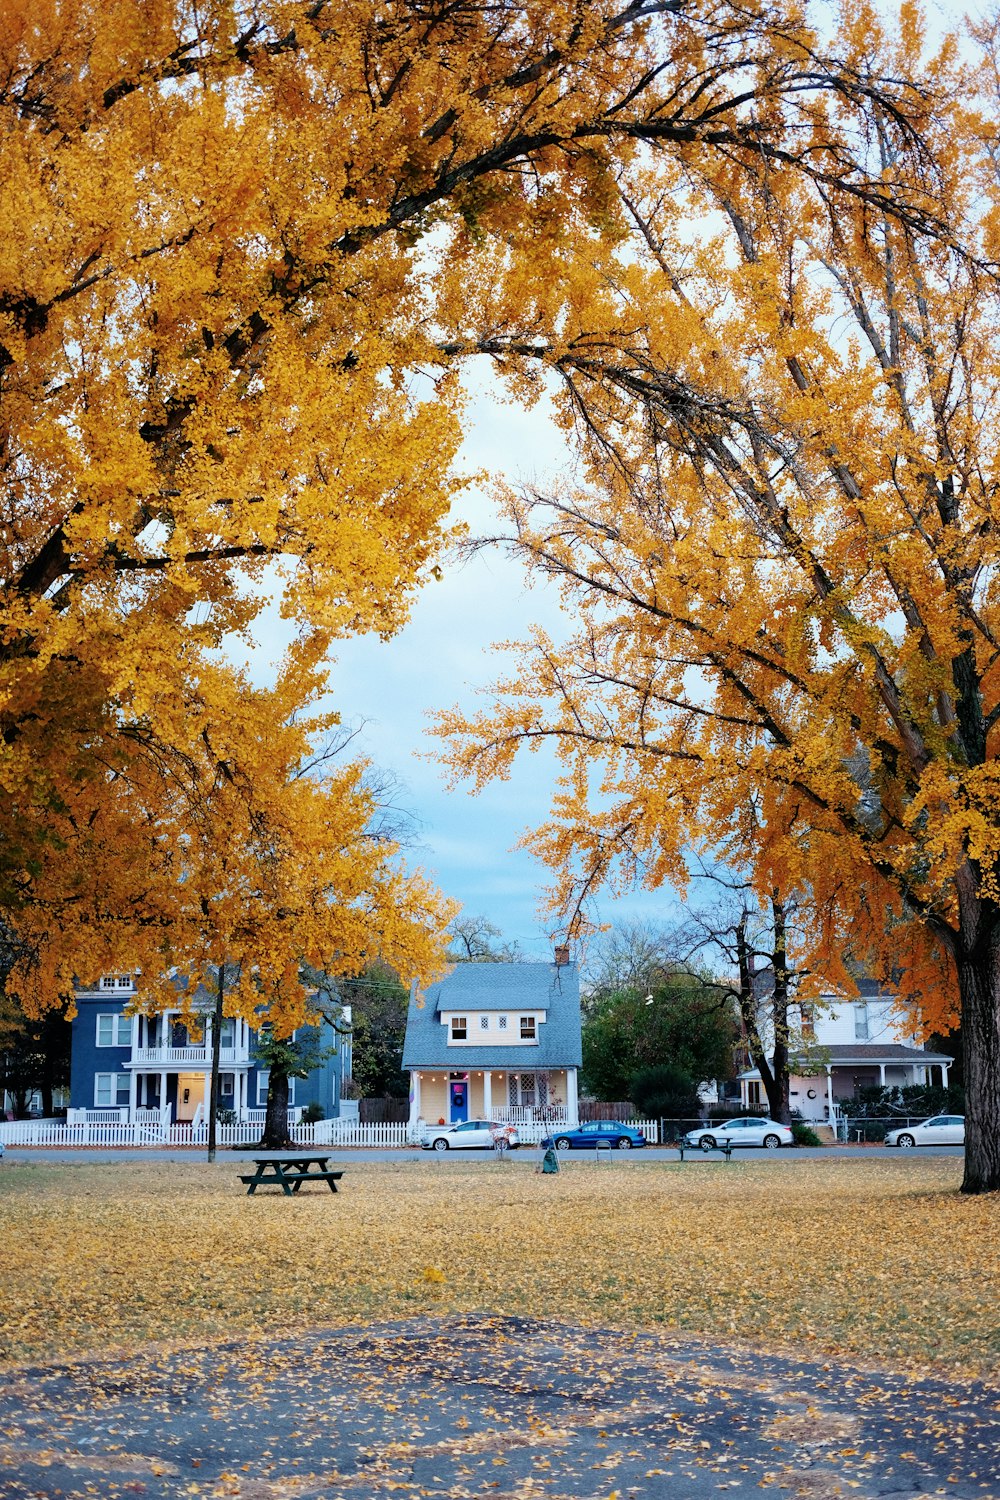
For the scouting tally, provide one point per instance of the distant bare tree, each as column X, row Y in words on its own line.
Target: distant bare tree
column 475, row 940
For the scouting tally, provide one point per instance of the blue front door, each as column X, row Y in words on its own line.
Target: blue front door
column 459, row 1099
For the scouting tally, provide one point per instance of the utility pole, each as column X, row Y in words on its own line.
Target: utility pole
column 213, row 1090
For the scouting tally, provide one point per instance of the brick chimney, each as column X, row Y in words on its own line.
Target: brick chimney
column 562, row 955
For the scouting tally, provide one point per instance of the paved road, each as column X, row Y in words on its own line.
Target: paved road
column 364, row 1153
column 481, row 1406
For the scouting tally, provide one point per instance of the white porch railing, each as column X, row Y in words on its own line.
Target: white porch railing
column 258, row 1116
column 181, row 1056
column 523, row 1114
column 95, row 1116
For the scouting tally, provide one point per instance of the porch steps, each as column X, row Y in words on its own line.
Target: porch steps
column 826, row 1134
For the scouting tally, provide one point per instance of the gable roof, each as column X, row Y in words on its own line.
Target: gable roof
column 552, row 989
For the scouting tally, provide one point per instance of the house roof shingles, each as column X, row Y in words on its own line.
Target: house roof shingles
column 843, row 1054
column 553, row 989
column 888, row 1052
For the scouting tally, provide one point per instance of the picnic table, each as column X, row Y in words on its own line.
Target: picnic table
column 289, row 1173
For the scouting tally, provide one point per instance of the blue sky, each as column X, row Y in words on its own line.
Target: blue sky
column 445, row 656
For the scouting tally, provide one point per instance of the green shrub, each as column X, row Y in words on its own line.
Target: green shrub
column 920, row 1099
column 803, row 1136
column 313, row 1113
column 664, row 1091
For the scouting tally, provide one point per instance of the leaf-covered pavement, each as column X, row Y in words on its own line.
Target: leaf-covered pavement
column 506, row 1408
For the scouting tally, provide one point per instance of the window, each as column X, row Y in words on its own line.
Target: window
column 116, row 981
column 110, row 1090
column 262, row 1081
column 861, row 1023
column 114, row 1031
column 527, row 1029
column 484, row 1023
column 227, row 1085
column 753, row 1095
column 808, row 1014
column 502, row 1023
column 521, row 1089
column 459, row 1028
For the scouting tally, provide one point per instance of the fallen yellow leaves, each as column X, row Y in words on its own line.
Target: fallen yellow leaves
column 875, row 1258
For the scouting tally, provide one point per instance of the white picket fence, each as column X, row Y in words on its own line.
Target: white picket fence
column 111, row 1133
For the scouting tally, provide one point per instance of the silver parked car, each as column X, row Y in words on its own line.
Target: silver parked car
column 940, row 1130
column 753, row 1131
column 470, row 1135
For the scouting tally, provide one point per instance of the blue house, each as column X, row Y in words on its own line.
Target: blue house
column 496, row 1041
column 135, row 1067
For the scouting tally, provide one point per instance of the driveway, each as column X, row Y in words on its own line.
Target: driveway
column 508, row 1408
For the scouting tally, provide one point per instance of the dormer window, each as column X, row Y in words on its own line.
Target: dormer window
column 484, row 1023
column 528, row 1029
column 502, row 1023
column 116, row 982
column 459, row 1028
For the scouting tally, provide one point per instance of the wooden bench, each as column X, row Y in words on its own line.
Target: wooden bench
column 289, row 1173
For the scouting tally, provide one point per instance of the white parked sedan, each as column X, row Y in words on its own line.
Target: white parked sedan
column 753, row 1131
column 940, row 1130
column 470, row 1135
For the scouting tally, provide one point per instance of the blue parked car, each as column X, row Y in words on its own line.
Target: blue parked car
column 597, row 1133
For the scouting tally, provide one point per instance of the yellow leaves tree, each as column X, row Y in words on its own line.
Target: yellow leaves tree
column 237, row 842
column 781, row 553
column 240, row 234
column 214, row 387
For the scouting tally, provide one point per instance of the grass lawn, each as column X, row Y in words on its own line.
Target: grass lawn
column 881, row 1259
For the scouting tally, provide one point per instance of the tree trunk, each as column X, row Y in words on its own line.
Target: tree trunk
column 276, row 1136
column 979, row 987
column 775, row 1080
column 778, row 1099
column 213, row 1086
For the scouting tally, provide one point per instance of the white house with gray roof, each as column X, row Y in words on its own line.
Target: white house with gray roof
column 840, row 1044
column 496, row 1041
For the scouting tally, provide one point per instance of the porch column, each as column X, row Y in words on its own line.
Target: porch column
column 881, row 1075
column 829, row 1093
column 572, row 1106
column 414, row 1097
column 135, row 1035
column 163, row 1092
column 133, row 1085
column 487, row 1095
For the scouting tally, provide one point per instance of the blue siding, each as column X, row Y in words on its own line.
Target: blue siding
column 86, row 1057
